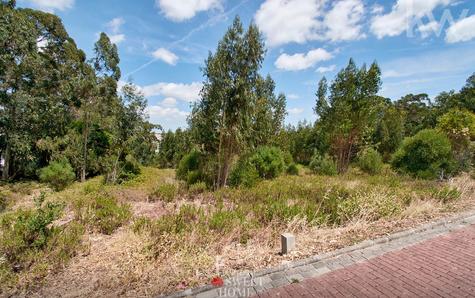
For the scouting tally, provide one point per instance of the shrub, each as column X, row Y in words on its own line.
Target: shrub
column 24, row 231
column 102, row 212
column 243, row 173
column 426, row 155
column 130, row 169
column 3, row 201
column 165, row 192
column 189, row 168
column 268, row 161
column 323, row 165
column 264, row 163
column 459, row 126
column 370, row 161
column 197, row 188
column 292, row 169
column 58, row 174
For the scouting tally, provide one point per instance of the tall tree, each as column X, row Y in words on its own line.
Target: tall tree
column 347, row 115
column 222, row 119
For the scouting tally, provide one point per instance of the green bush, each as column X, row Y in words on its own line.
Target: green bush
column 264, row 163
column 243, row 173
column 58, row 174
column 189, row 168
column 26, row 231
column 370, row 161
column 102, row 213
column 268, row 161
column 130, row 169
column 165, row 192
column 197, row 188
column 292, row 169
column 3, row 201
column 426, row 155
column 323, row 165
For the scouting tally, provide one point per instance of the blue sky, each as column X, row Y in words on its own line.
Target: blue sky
column 422, row 46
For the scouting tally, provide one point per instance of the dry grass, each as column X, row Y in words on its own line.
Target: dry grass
column 146, row 264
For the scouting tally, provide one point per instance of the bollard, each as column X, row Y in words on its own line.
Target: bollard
column 288, row 242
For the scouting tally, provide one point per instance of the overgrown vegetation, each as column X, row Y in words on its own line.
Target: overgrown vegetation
column 64, row 120
column 58, row 174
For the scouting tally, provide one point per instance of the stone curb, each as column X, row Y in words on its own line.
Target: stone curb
column 449, row 224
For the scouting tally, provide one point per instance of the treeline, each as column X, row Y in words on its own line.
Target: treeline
column 60, row 111
column 237, row 125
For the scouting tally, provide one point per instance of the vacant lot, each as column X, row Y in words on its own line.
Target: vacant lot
column 153, row 235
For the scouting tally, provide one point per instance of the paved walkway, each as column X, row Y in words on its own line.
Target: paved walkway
column 443, row 266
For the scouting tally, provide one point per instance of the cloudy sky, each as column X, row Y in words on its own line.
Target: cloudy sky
column 421, row 45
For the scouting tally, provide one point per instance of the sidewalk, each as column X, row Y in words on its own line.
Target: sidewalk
column 441, row 267
column 433, row 260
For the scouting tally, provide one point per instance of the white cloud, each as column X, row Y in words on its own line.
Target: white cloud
column 166, row 56
column 285, row 21
column 295, row 111
column 117, row 38
column 302, row 61
column 51, row 5
column 184, row 92
column 115, row 24
column 169, row 102
column 168, row 117
column 463, row 30
column 324, row 69
column 181, row 10
column 293, row 96
column 343, row 21
column 403, row 16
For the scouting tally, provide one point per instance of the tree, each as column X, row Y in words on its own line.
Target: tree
column 222, row 121
column 37, row 61
column 348, row 114
column 459, row 126
column 389, row 131
column 418, row 113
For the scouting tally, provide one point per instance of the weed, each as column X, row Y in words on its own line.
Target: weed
column 165, row 192
column 102, row 213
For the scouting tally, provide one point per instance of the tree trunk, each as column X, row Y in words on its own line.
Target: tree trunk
column 6, row 165
column 85, row 134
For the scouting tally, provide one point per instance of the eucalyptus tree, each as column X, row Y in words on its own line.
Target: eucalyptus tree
column 348, row 113
column 222, row 121
column 36, row 61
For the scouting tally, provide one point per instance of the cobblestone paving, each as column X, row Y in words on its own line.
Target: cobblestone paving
column 440, row 267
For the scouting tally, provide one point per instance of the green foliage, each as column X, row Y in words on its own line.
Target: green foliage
column 426, row 155
column 190, row 168
column 459, row 126
column 323, row 165
column 165, row 192
column 350, row 111
column 29, row 240
column 268, row 161
column 264, row 163
column 101, row 212
column 446, row 194
column 370, row 161
column 243, row 173
column 293, row 169
column 238, row 109
column 197, row 188
column 58, row 174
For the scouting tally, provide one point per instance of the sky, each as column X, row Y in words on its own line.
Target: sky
column 422, row 46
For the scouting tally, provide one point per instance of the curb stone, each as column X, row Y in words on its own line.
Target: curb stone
column 283, row 274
